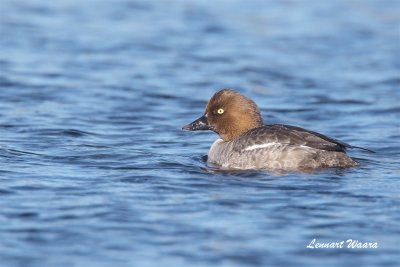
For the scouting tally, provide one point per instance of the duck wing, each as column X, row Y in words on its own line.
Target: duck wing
column 291, row 135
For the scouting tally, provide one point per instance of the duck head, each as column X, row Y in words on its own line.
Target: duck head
column 229, row 114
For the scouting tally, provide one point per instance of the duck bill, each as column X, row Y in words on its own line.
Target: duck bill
column 198, row 125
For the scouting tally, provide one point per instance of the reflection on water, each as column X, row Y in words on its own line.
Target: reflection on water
column 95, row 170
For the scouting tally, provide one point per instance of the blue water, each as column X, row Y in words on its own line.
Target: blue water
column 94, row 167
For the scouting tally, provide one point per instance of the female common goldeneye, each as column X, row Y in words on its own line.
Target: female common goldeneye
column 245, row 143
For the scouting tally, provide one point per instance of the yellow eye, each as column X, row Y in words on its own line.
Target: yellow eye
column 220, row 111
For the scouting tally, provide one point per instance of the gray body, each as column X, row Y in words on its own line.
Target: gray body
column 280, row 147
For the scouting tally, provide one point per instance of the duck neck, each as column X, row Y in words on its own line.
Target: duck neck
column 234, row 131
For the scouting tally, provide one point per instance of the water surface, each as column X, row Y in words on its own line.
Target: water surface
column 94, row 167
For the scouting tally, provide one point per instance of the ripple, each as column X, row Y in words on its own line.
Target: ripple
column 327, row 100
column 75, row 133
column 6, row 192
column 24, row 215
column 62, row 132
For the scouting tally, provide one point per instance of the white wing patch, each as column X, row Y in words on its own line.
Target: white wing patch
column 261, row 146
column 253, row 147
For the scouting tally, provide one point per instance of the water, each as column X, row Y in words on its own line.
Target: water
column 94, row 167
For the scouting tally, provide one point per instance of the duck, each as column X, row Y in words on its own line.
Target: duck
column 245, row 142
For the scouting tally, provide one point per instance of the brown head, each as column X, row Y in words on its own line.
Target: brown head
column 229, row 114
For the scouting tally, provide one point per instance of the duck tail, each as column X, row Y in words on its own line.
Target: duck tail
column 362, row 148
